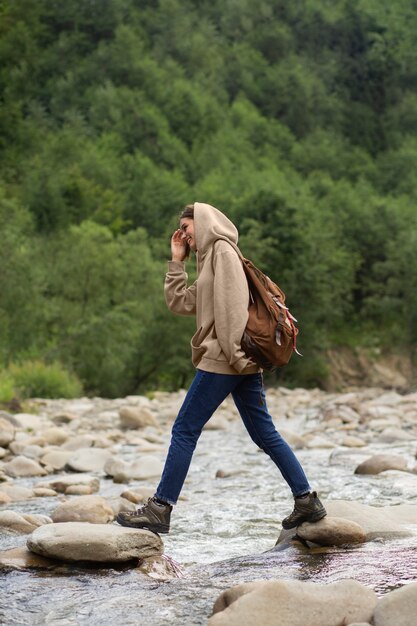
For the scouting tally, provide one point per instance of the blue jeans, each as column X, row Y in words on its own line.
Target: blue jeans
column 206, row 393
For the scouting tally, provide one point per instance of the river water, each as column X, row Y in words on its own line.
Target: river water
column 222, row 534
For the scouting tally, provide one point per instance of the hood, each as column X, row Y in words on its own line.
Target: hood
column 211, row 224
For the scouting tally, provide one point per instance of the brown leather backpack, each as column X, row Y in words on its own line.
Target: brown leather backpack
column 270, row 335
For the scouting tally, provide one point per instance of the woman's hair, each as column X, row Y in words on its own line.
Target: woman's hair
column 188, row 211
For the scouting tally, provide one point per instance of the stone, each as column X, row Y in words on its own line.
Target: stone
column 33, row 451
column 28, row 421
column 15, row 493
column 79, row 490
column 9, row 418
column 137, row 496
column 320, row 442
column 146, row 467
column 133, row 417
column 22, row 466
column 64, row 418
column 342, row 412
column 7, row 432
column 397, row 608
column 376, row 521
column 217, row 422
column 62, row 483
column 332, row 531
column 22, row 559
column 120, row 505
column 55, row 436
column 352, row 442
column 294, row 603
column 4, row 498
column 92, row 509
column 160, row 568
column 387, row 522
column 115, row 466
column 89, row 460
column 100, row 543
column 297, row 442
column 392, row 435
column 42, row 492
column 21, row 524
column 380, row 463
column 78, row 442
column 57, row 459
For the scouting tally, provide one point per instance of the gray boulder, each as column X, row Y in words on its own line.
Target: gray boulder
column 294, row 603
column 20, row 523
column 22, row 466
column 332, row 531
column 393, row 435
column 63, row 483
column 99, row 543
column 16, row 493
column 380, row 463
column 93, row 509
column 133, row 417
column 398, row 608
column 57, row 459
column 7, row 432
column 89, row 460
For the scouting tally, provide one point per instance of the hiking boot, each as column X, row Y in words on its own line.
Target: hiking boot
column 307, row 509
column 152, row 516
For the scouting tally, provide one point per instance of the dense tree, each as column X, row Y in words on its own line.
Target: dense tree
column 298, row 119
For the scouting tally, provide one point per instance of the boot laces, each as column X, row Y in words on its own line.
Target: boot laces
column 140, row 510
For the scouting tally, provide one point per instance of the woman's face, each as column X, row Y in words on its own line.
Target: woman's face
column 187, row 227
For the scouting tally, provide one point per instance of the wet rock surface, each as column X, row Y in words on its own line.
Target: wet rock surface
column 98, row 543
column 223, row 529
column 294, row 603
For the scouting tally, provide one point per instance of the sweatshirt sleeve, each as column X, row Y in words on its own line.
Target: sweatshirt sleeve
column 180, row 299
column 231, row 300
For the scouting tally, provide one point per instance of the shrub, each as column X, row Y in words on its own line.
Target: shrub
column 36, row 379
column 6, row 388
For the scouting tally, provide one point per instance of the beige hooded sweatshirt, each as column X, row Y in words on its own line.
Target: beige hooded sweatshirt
column 219, row 297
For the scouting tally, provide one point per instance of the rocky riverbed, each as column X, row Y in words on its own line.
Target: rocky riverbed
column 68, row 467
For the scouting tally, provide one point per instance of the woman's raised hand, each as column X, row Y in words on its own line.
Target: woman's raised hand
column 179, row 246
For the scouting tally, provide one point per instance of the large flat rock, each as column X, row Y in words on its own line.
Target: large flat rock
column 294, row 603
column 387, row 522
column 99, row 543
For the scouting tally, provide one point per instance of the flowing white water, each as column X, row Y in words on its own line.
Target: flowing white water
column 220, row 534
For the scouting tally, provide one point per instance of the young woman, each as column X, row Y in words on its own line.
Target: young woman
column 219, row 299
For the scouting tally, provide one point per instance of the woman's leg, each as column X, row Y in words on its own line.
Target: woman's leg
column 207, row 392
column 261, row 428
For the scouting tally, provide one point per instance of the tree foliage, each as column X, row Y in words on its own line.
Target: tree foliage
column 298, row 119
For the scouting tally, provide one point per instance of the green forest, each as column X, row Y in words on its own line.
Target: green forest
column 296, row 118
